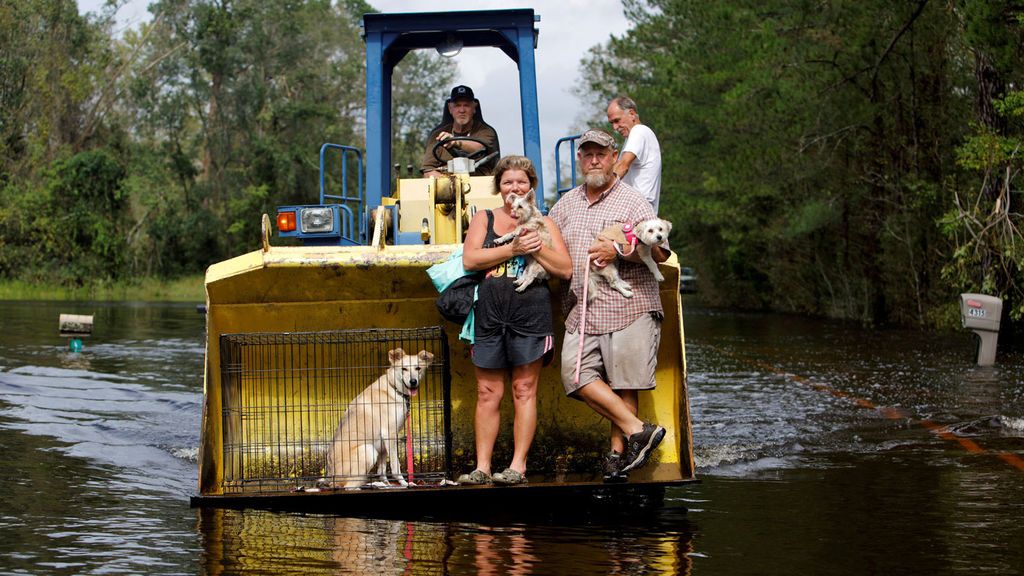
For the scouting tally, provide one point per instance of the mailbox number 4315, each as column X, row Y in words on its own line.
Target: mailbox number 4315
column 976, row 312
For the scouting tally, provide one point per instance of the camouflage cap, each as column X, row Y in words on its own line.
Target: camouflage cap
column 599, row 137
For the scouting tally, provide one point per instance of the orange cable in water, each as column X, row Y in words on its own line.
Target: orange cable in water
column 890, row 412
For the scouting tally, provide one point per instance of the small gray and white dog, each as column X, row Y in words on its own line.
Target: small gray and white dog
column 524, row 208
column 647, row 233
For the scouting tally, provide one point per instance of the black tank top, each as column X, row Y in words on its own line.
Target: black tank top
column 500, row 308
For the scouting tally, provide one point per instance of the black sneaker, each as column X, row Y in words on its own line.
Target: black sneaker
column 612, row 468
column 640, row 445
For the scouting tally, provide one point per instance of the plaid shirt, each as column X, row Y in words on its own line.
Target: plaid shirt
column 580, row 222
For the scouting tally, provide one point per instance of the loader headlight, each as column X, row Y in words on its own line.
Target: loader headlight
column 319, row 219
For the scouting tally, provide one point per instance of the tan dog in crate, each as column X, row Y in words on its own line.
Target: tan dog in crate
column 367, row 436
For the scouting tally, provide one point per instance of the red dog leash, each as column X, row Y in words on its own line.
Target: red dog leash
column 408, row 444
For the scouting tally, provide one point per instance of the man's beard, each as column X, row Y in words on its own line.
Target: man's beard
column 596, row 178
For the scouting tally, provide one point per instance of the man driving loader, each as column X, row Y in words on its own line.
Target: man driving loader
column 461, row 133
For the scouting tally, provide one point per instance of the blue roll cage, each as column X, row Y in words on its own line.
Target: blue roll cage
column 388, row 38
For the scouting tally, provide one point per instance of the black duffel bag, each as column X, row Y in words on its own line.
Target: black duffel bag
column 456, row 300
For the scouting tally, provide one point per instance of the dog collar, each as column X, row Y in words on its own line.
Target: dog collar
column 400, row 393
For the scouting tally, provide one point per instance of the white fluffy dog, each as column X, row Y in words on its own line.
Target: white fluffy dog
column 640, row 237
column 524, row 208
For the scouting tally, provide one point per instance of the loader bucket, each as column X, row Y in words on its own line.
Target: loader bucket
column 293, row 333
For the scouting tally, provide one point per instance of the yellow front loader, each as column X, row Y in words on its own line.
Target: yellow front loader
column 294, row 333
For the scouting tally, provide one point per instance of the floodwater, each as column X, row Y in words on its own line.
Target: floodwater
column 822, row 448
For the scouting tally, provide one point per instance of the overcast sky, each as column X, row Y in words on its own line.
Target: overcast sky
column 568, row 28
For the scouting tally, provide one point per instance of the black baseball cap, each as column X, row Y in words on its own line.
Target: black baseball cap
column 462, row 92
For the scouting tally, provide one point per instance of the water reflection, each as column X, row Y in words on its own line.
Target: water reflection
column 75, row 361
column 249, row 541
column 503, row 552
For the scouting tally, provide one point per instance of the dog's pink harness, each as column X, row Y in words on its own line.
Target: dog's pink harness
column 631, row 240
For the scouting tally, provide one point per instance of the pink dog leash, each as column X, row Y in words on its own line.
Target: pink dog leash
column 631, row 239
column 583, row 325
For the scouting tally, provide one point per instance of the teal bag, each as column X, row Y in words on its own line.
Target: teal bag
column 444, row 273
column 458, row 300
column 469, row 326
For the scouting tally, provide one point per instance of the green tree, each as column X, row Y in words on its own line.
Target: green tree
column 52, row 62
column 60, row 175
column 804, row 145
column 984, row 223
column 251, row 89
column 86, row 193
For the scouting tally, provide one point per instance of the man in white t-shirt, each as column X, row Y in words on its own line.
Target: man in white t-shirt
column 639, row 163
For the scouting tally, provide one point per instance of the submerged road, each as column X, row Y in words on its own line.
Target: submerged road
column 822, row 448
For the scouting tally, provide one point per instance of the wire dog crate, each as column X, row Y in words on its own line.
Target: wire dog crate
column 285, row 396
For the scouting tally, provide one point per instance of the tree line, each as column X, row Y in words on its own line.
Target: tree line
column 846, row 159
column 153, row 151
column 852, row 159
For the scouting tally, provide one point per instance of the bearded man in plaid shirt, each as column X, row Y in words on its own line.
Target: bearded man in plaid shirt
column 620, row 350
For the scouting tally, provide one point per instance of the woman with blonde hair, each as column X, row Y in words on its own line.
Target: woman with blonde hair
column 514, row 332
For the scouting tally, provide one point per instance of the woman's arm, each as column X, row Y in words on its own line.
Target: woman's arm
column 475, row 256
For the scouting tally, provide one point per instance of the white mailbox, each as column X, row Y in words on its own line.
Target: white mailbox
column 980, row 313
column 75, row 325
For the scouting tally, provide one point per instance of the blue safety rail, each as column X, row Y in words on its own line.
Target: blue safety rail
column 349, row 233
column 572, row 164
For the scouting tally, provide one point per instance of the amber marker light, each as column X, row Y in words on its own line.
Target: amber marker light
column 286, row 221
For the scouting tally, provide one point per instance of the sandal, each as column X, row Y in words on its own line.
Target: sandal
column 476, row 477
column 509, row 477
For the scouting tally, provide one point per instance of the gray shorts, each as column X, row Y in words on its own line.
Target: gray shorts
column 626, row 359
column 510, row 349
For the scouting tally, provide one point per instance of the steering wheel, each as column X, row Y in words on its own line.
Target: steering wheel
column 458, row 152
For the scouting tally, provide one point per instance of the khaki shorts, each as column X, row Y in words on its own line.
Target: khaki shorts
column 626, row 359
